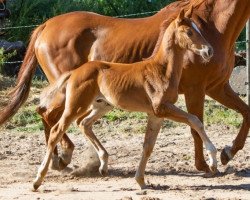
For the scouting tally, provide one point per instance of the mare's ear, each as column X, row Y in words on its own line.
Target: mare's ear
column 180, row 17
column 189, row 13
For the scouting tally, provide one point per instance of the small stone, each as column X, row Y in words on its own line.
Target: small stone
column 144, row 192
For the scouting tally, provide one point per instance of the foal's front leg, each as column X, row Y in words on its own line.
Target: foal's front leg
column 168, row 110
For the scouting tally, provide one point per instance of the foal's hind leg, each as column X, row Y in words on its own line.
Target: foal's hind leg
column 153, row 128
column 49, row 119
column 99, row 108
column 226, row 96
column 56, row 134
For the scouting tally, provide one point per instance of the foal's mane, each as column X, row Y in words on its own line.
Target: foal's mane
column 178, row 5
column 163, row 28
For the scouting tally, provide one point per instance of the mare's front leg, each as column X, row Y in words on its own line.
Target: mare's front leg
column 168, row 110
column 153, row 128
column 194, row 97
column 225, row 95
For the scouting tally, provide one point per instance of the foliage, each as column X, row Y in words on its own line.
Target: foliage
column 217, row 114
column 32, row 12
column 4, row 57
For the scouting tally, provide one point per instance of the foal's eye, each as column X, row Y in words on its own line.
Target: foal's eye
column 189, row 33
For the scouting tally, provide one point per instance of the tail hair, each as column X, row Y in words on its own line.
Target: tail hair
column 20, row 93
column 50, row 92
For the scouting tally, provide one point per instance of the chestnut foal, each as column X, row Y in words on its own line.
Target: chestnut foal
column 149, row 86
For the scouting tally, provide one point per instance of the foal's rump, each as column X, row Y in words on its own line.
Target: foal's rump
column 54, row 94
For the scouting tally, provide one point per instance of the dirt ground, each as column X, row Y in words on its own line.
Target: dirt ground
column 170, row 170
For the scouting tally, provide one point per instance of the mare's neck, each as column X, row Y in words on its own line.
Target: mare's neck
column 230, row 17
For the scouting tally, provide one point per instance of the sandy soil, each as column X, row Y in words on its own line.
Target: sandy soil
column 170, row 171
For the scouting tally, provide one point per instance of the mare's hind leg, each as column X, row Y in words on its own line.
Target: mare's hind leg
column 226, row 96
column 153, row 128
column 49, row 119
column 99, row 108
column 195, row 105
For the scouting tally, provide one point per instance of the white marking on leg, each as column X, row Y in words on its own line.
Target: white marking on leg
column 211, row 150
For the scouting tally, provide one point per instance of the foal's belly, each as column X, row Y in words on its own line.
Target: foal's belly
column 131, row 100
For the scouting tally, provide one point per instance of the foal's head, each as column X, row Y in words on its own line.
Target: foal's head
column 188, row 36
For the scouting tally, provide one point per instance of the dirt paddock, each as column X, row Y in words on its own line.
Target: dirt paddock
column 170, row 171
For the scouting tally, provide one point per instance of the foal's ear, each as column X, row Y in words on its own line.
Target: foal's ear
column 180, row 17
column 189, row 13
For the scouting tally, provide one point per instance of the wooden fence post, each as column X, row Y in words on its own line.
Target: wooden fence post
column 248, row 59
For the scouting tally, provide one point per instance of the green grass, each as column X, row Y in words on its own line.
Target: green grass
column 118, row 114
column 217, row 114
column 27, row 119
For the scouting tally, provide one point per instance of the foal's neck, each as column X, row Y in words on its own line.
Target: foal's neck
column 169, row 55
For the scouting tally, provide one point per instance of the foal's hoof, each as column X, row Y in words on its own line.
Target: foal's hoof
column 35, row 186
column 225, row 155
column 103, row 172
column 141, row 183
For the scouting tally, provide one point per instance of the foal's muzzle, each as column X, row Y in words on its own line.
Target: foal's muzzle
column 206, row 52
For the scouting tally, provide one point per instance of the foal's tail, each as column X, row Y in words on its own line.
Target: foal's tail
column 49, row 93
column 20, row 93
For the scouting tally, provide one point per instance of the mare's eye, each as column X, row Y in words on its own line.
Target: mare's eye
column 189, row 33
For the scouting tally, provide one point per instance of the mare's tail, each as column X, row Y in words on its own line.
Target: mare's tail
column 20, row 93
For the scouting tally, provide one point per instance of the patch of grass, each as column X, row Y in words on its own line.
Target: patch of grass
column 117, row 114
column 217, row 114
column 39, row 83
column 27, row 119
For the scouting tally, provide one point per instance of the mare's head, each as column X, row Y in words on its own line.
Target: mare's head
column 188, row 36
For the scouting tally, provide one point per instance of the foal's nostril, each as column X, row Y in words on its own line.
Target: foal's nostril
column 210, row 52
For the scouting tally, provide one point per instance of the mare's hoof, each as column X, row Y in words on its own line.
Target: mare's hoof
column 61, row 164
column 213, row 173
column 54, row 164
column 224, row 156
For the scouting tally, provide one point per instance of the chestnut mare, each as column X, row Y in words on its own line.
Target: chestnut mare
column 149, row 86
column 65, row 42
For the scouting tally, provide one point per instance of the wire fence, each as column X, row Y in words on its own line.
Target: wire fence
column 119, row 16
